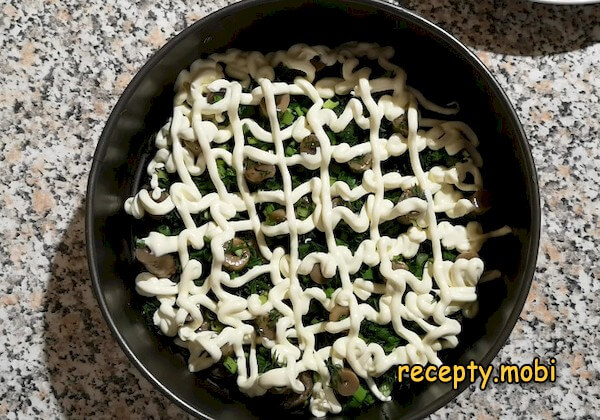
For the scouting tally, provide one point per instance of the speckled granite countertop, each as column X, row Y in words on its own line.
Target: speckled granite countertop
column 64, row 65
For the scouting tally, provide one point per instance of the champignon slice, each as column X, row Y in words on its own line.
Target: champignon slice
column 317, row 63
column 277, row 216
column 337, row 201
column 399, row 265
column 467, row 255
column 281, row 104
column 163, row 266
column 481, row 200
column 338, row 312
column 293, row 400
column 309, row 144
column 237, row 254
column 283, row 101
column 257, row 172
column 316, row 275
column 401, row 125
column 264, row 327
column 347, row 382
column 193, row 146
column 163, row 196
column 360, row 163
column 409, row 217
column 226, row 350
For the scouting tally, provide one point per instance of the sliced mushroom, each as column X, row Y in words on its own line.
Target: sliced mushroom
column 205, row 326
column 467, row 255
column 481, row 200
column 237, row 254
column 264, row 327
column 401, row 125
column 399, row 265
column 409, row 217
column 257, row 172
column 163, row 196
column 338, row 312
column 309, row 144
column 316, row 275
column 277, row 216
column 281, row 104
column 317, row 63
column 347, row 382
column 193, row 146
column 411, row 192
column 163, row 266
column 293, row 400
column 338, row 201
column 360, row 163
column 226, row 351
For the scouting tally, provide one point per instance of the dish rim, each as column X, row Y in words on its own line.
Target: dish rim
column 529, row 170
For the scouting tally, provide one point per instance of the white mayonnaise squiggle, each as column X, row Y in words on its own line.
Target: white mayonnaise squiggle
column 188, row 145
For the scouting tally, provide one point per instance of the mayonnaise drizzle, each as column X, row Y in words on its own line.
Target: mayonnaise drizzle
column 445, row 288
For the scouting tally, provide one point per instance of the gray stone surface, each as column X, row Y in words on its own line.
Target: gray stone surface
column 64, row 65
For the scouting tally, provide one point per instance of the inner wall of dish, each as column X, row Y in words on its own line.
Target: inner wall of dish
column 432, row 66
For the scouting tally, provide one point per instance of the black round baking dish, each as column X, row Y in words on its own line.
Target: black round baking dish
column 435, row 62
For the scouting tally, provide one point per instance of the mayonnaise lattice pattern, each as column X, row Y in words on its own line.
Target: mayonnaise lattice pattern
column 189, row 145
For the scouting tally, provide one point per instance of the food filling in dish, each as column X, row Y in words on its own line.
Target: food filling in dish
column 311, row 223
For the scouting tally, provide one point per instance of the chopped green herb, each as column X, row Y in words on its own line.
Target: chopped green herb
column 149, row 307
column 227, row 174
column 449, row 255
column 246, row 111
column 384, row 335
column 430, row 158
column 264, row 360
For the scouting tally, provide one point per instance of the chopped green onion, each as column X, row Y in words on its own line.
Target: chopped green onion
column 329, row 291
column 329, row 104
column 288, row 117
column 360, row 394
column 239, row 252
column 368, row 274
column 290, row 151
column 164, row 229
column 252, row 140
column 140, row 243
column 386, row 389
column 230, row 364
column 298, row 110
column 263, row 298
